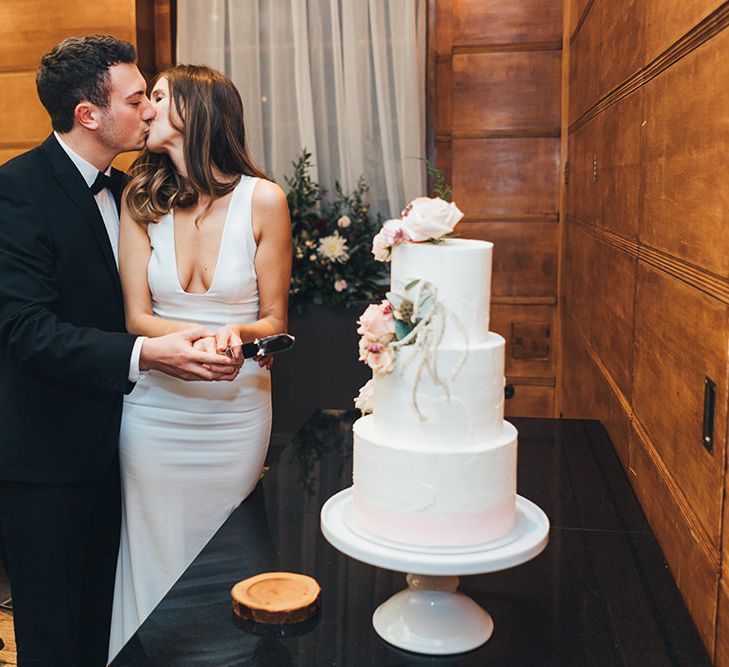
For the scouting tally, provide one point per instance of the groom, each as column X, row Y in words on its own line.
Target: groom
column 65, row 357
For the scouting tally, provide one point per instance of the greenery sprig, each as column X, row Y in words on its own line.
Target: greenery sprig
column 332, row 241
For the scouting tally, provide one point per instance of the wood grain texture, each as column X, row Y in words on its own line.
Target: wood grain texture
column 584, row 68
column 721, row 658
column 686, row 144
column 443, row 27
column 695, row 570
column 8, row 153
column 124, row 160
column 506, row 176
column 25, row 121
column 498, row 22
column 581, row 200
column 444, row 97
column 666, row 21
column 645, row 278
column 589, row 393
column 620, row 41
column 8, row 654
column 577, row 288
column 524, row 257
column 507, row 91
column 612, row 286
column 498, row 123
column 681, row 337
column 530, row 401
column 617, row 188
column 577, row 10
column 30, row 28
column 530, row 340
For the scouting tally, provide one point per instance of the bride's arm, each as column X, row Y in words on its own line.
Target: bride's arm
column 134, row 254
column 272, row 230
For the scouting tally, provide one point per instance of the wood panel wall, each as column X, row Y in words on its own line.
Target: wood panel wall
column 645, row 284
column 30, row 28
column 494, row 123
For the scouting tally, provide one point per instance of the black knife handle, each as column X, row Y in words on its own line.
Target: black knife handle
column 268, row 345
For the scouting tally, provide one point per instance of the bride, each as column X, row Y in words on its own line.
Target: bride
column 205, row 240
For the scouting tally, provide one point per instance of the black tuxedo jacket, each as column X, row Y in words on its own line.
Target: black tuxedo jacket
column 64, row 352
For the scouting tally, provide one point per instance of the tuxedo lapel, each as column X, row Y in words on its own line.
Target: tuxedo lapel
column 118, row 182
column 75, row 187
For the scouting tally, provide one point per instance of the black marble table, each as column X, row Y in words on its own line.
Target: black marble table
column 600, row 594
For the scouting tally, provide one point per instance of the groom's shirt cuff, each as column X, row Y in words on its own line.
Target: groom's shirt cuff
column 134, row 372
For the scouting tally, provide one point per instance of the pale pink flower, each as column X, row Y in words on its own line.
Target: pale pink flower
column 392, row 233
column 395, row 232
column 344, row 222
column 381, row 249
column 340, row 285
column 365, row 398
column 425, row 218
column 380, row 358
column 377, row 322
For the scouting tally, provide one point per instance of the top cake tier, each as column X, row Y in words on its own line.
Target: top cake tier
column 460, row 270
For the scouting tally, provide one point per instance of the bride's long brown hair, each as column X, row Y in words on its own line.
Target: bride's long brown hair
column 211, row 112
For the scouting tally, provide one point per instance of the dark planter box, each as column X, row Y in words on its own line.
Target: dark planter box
column 322, row 370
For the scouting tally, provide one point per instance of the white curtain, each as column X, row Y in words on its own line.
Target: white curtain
column 344, row 79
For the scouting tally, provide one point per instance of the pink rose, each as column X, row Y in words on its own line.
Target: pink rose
column 380, row 358
column 425, row 218
column 395, row 233
column 392, row 233
column 377, row 322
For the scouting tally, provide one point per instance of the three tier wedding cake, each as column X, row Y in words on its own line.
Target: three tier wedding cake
column 434, row 462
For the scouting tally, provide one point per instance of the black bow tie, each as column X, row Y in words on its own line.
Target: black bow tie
column 102, row 181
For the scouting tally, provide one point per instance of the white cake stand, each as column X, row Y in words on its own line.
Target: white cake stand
column 430, row 616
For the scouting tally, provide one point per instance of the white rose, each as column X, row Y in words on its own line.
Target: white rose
column 344, row 222
column 426, row 218
column 365, row 399
column 381, row 249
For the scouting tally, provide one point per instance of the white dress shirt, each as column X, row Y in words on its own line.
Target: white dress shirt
column 110, row 216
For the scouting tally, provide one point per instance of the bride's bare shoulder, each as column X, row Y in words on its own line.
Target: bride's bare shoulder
column 268, row 196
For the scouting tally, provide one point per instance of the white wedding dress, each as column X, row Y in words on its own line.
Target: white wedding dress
column 190, row 452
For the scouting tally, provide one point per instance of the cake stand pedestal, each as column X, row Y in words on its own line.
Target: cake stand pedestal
column 431, row 616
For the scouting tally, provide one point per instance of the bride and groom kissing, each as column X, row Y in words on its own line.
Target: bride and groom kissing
column 130, row 426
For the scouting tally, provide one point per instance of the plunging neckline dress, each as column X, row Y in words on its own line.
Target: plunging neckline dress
column 190, row 452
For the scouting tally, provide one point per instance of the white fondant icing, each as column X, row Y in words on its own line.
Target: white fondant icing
column 460, row 269
column 448, row 479
column 471, row 410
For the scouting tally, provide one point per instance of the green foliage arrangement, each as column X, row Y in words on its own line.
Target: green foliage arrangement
column 332, row 243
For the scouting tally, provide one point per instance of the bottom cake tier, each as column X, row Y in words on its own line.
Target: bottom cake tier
column 452, row 496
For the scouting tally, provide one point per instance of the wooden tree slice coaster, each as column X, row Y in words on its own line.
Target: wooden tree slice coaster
column 276, row 598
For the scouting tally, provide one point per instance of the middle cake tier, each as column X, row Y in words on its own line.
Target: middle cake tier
column 412, row 408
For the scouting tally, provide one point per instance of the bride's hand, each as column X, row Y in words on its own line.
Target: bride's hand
column 209, row 344
column 206, row 344
column 227, row 339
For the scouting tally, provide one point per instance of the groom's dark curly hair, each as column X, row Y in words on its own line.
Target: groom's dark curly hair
column 77, row 69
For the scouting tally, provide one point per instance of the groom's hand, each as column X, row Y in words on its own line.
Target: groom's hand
column 175, row 354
